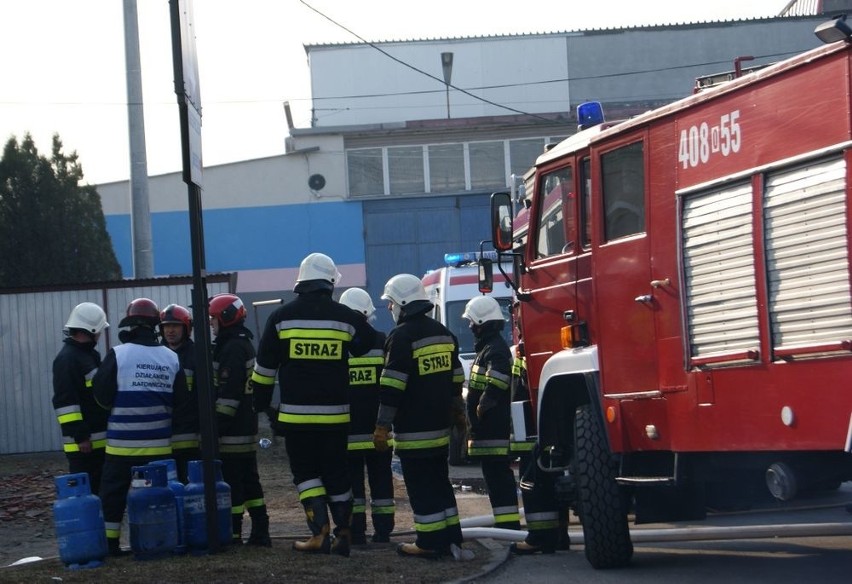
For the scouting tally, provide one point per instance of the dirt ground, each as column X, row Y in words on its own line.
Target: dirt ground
column 26, row 530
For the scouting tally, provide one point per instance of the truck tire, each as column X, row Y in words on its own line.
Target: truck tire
column 600, row 505
column 458, row 447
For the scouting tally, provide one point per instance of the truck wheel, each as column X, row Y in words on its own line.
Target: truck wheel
column 458, row 447
column 601, row 509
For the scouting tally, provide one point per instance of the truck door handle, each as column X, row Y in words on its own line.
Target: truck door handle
column 644, row 299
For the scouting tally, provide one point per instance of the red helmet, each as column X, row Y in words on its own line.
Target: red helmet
column 141, row 312
column 176, row 314
column 228, row 309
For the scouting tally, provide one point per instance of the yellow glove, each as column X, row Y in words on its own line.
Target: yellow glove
column 380, row 438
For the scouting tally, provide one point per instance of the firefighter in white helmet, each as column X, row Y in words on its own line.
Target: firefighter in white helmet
column 82, row 421
column 307, row 343
column 420, row 397
column 364, row 374
column 489, row 408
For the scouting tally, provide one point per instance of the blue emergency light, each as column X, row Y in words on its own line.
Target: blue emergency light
column 589, row 114
column 467, row 257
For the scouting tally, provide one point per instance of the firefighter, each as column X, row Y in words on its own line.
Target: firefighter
column 175, row 329
column 307, row 342
column 541, row 511
column 420, row 397
column 236, row 420
column 136, row 382
column 364, row 375
column 82, row 421
column 488, row 408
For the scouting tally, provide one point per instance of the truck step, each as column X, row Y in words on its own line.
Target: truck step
column 645, row 481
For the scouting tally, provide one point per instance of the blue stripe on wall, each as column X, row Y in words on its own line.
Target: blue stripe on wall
column 248, row 238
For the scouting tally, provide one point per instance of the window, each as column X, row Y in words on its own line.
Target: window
column 623, row 175
column 446, row 168
column 585, row 204
column 523, row 154
column 365, row 172
column 405, row 169
column 487, row 165
column 557, row 199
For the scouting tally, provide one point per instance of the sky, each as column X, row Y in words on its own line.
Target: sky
column 62, row 69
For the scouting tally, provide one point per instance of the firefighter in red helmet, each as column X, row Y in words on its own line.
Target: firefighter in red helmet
column 136, row 382
column 176, row 330
column 233, row 361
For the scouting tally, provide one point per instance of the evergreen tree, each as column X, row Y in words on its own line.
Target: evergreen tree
column 52, row 228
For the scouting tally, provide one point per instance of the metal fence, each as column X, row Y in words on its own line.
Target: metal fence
column 31, row 323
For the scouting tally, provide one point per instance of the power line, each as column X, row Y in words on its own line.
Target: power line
column 413, row 68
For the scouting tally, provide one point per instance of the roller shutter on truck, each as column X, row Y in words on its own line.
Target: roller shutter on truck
column 807, row 255
column 806, row 246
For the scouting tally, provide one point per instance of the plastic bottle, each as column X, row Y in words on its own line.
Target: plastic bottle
column 79, row 521
column 152, row 513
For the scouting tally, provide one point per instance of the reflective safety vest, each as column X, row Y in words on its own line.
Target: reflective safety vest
column 140, row 422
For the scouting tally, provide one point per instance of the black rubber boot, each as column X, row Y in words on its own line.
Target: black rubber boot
column 259, row 527
column 359, row 528
column 383, row 524
column 237, row 528
column 316, row 513
column 341, row 513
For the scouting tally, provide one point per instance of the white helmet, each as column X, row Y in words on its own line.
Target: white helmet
column 359, row 301
column 482, row 309
column 403, row 289
column 318, row 266
column 87, row 316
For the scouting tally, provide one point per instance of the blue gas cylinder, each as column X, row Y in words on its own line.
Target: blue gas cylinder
column 178, row 489
column 79, row 521
column 194, row 504
column 151, row 513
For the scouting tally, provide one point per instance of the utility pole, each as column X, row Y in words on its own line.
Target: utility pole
column 143, row 253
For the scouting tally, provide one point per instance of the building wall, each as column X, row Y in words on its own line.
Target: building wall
column 541, row 72
column 261, row 218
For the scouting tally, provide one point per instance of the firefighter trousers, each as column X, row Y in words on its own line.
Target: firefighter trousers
column 540, row 505
column 436, row 516
column 380, row 478
column 320, row 457
column 115, row 485
column 91, row 463
column 240, row 472
column 502, row 492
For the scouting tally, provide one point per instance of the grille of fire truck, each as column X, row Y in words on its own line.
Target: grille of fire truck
column 807, row 266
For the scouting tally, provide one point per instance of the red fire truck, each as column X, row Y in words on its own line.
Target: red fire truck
column 684, row 300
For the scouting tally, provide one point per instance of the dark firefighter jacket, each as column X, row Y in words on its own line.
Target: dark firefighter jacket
column 80, row 417
column 364, row 374
column 233, row 361
column 307, row 342
column 421, row 378
column 185, row 424
column 488, row 397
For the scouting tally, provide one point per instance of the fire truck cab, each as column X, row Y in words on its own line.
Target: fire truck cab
column 685, row 300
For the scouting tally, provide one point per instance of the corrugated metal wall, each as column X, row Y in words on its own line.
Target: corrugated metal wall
column 31, row 335
column 412, row 235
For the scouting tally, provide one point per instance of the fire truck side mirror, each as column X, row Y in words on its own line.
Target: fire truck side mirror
column 486, row 275
column 501, row 221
